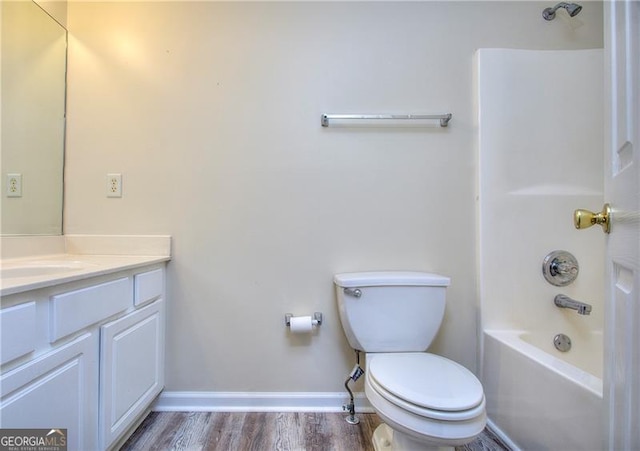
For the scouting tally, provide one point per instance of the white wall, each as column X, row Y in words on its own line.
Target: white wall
column 540, row 158
column 56, row 9
column 211, row 111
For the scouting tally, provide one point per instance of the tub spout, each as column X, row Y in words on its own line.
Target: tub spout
column 563, row 301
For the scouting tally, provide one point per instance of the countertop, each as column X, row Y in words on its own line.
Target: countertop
column 72, row 258
column 63, row 268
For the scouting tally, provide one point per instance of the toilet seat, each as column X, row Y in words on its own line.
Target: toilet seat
column 427, row 385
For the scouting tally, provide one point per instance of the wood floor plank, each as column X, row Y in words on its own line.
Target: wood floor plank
column 315, row 433
column 288, row 436
column 256, row 432
column 156, row 431
column 193, row 432
column 228, row 434
column 242, row 431
column 346, row 436
column 219, row 424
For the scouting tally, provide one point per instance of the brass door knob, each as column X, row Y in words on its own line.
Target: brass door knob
column 583, row 219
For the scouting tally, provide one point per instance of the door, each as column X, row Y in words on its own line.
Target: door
column 622, row 185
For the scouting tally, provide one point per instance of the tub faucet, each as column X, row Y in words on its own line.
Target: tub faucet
column 563, row 301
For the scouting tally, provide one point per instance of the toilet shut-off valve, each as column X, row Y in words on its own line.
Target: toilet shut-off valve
column 355, row 374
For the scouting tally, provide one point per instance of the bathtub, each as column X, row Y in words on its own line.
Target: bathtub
column 539, row 400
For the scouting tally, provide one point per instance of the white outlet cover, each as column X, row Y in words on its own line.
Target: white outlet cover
column 114, row 185
column 14, row 185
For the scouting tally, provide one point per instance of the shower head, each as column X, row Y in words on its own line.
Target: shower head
column 572, row 8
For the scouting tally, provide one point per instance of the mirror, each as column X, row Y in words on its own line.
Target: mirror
column 32, row 95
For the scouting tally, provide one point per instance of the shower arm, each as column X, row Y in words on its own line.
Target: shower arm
column 572, row 9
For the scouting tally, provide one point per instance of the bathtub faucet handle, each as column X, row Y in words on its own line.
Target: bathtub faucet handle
column 560, row 268
column 564, row 268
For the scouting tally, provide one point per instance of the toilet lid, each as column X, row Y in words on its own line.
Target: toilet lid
column 427, row 380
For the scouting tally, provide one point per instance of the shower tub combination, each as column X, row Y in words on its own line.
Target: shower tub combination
column 540, row 157
column 536, row 398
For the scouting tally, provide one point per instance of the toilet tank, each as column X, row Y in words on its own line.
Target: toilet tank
column 396, row 311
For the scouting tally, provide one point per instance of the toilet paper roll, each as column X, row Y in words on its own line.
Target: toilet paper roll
column 301, row 324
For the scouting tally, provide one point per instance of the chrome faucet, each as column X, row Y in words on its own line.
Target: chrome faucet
column 563, row 301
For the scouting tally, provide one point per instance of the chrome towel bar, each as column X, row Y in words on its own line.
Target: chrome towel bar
column 443, row 118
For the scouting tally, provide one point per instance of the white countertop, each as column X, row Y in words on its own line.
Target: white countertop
column 67, row 268
column 86, row 256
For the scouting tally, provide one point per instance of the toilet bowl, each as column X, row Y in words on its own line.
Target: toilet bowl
column 426, row 401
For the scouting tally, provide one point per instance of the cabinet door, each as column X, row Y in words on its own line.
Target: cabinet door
column 132, row 369
column 58, row 390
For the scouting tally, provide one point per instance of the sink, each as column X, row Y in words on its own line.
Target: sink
column 42, row 268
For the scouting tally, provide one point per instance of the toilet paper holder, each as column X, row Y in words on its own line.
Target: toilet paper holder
column 317, row 319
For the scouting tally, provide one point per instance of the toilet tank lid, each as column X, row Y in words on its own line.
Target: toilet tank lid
column 390, row 278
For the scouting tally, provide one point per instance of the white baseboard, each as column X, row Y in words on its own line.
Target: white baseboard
column 504, row 437
column 180, row 401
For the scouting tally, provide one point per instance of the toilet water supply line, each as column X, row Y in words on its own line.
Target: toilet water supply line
column 355, row 374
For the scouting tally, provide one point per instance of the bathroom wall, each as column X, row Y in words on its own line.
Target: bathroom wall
column 526, row 210
column 211, row 111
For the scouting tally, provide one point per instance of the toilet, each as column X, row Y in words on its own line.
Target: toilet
column 425, row 401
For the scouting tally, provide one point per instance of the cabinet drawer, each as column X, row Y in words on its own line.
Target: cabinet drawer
column 148, row 286
column 17, row 331
column 75, row 310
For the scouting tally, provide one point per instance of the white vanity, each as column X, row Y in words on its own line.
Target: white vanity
column 82, row 341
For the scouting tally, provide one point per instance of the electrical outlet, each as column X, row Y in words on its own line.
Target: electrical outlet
column 14, row 185
column 114, row 185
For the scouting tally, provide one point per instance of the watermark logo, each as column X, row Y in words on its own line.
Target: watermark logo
column 33, row 440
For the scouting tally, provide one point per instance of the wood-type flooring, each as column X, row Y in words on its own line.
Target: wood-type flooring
column 257, row 431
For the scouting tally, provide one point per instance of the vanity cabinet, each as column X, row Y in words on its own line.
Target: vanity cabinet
column 56, row 390
column 86, row 356
column 18, row 333
column 132, row 360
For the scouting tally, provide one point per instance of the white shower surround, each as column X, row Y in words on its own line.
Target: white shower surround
column 540, row 128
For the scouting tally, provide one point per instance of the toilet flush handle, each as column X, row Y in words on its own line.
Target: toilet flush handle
column 355, row 292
